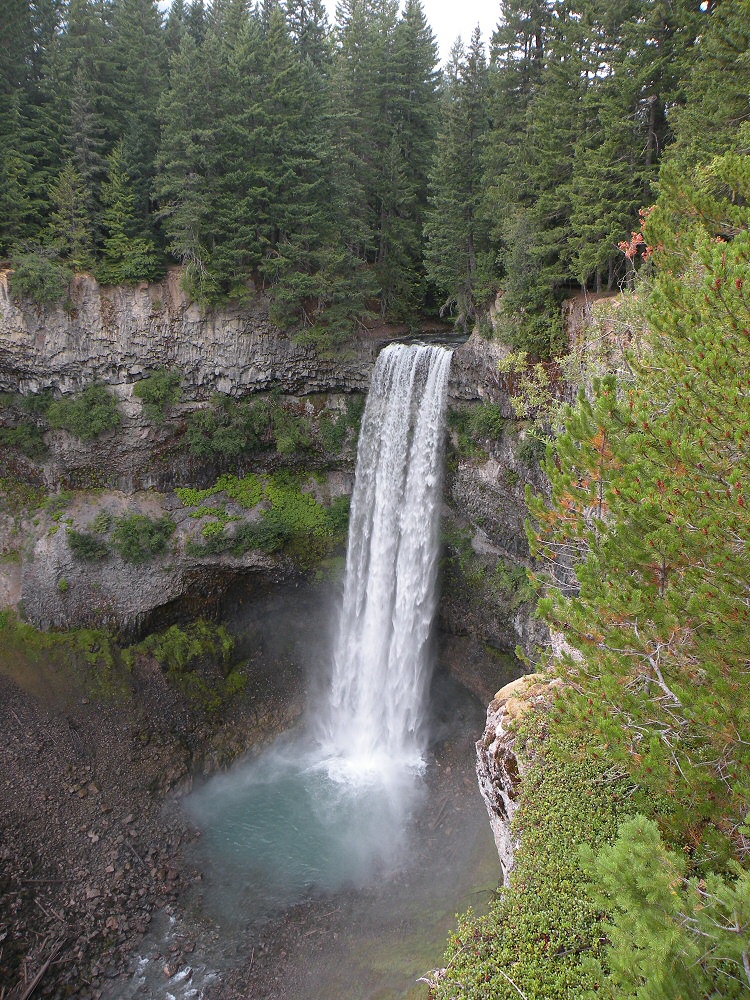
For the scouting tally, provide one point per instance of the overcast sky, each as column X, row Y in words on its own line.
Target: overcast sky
column 451, row 18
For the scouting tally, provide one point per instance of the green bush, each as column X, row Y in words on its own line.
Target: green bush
column 334, row 428
column 294, row 521
column 87, row 415
column 333, row 432
column 487, row 421
column 159, row 391
column 228, row 428
column 38, row 276
column 85, row 546
column 512, row 582
column 543, row 935
column 531, row 451
column 102, row 522
column 292, row 432
column 138, row 538
column 28, row 438
column 191, row 655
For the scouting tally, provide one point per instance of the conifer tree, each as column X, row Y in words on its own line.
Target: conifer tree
column 457, row 239
column 183, row 186
column 70, row 221
column 652, row 486
column 139, row 64
column 127, row 256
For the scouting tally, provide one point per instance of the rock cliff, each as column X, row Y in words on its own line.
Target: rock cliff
column 115, row 335
column 499, row 767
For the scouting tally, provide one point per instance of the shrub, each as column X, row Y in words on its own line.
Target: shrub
column 292, row 433
column 85, row 546
column 159, row 391
column 295, row 521
column 487, row 421
column 138, row 538
column 227, row 428
column 531, row 451
column 38, row 276
column 190, row 656
column 333, row 432
column 102, row 522
column 28, row 438
column 88, row 415
column 543, row 935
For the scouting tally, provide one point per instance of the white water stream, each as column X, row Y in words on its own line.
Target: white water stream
column 374, row 722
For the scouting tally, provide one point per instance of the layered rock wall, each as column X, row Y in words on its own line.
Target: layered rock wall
column 116, row 335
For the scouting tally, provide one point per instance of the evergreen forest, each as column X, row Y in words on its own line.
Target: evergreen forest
column 338, row 168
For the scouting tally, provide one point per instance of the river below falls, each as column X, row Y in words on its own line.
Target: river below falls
column 303, row 891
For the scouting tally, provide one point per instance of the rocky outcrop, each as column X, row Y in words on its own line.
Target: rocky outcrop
column 116, row 335
column 499, row 767
column 59, row 590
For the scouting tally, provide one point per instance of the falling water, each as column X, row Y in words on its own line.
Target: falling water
column 381, row 658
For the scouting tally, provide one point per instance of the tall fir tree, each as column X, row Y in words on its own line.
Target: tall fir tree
column 127, row 256
column 457, row 246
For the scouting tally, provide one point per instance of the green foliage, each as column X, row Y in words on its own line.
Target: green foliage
column 40, row 277
column 27, row 437
column 513, row 583
column 87, row 415
column 333, row 432
column 292, row 431
column 543, row 935
column 85, row 546
column 102, row 522
column 63, row 585
column 198, row 659
column 669, row 937
column 129, row 254
column 531, row 450
column 138, row 538
column 292, row 521
column 159, row 391
column 457, row 246
column 228, row 428
column 475, row 426
column 487, row 421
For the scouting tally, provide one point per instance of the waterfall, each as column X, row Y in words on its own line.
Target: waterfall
column 381, row 664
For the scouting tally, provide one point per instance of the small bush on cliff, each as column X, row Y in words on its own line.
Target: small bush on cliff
column 198, row 660
column 138, row 538
column 487, row 421
column 86, row 415
column 293, row 521
column 159, row 391
column 26, row 437
column 292, row 431
column 85, row 546
column 228, row 428
column 40, row 277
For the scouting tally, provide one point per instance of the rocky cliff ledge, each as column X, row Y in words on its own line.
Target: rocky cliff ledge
column 499, row 768
column 116, row 335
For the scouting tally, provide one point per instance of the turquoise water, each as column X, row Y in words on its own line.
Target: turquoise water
column 279, row 828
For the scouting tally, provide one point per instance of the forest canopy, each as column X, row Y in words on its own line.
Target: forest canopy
column 337, row 167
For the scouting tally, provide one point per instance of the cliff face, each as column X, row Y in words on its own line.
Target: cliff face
column 116, row 335
column 499, row 767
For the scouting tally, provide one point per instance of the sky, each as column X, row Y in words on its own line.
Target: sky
column 451, row 18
